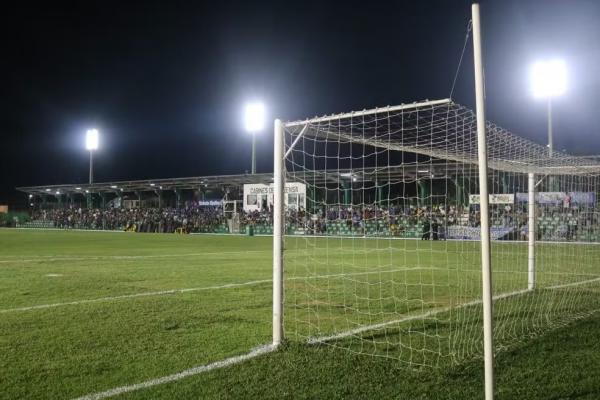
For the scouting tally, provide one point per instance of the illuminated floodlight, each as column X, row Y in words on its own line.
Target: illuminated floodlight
column 548, row 78
column 87, row 191
column 30, row 196
column 47, row 190
column 77, row 188
column 254, row 117
column 152, row 184
column 113, row 186
column 91, row 139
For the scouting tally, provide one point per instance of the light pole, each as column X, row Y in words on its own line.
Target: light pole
column 254, row 117
column 91, row 144
column 548, row 80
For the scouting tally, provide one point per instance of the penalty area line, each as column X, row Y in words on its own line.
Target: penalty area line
column 180, row 375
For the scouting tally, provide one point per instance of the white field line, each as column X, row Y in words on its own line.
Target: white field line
column 194, row 289
column 67, row 230
column 131, row 296
column 180, row 375
column 269, row 348
column 523, row 242
column 125, row 257
column 572, row 284
column 435, row 311
column 318, row 236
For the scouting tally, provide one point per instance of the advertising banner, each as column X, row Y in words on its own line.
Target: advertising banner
column 501, row 198
column 474, row 233
column 558, row 198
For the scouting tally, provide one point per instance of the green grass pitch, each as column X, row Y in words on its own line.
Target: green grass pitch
column 85, row 312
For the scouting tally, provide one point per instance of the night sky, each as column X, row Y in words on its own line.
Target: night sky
column 166, row 82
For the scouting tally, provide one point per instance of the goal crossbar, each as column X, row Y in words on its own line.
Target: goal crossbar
column 332, row 117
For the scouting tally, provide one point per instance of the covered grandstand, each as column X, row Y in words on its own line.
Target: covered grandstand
column 175, row 191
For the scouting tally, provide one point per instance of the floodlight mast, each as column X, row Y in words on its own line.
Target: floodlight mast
column 253, row 170
column 549, row 79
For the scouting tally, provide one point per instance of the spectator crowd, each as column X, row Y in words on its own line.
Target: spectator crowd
column 436, row 219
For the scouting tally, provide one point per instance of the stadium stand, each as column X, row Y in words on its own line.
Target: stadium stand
column 437, row 222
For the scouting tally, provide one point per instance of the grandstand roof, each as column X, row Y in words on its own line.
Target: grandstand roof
column 432, row 170
column 149, row 185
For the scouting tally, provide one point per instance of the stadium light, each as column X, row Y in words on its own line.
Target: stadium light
column 91, row 144
column 254, row 119
column 548, row 80
column 91, row 139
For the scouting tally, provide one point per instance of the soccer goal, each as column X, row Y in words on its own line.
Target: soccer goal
column 397, row 253
column 388, row 261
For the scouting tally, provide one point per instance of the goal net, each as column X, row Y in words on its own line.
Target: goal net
column 385, row 257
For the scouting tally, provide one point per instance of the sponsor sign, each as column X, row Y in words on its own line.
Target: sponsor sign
column 558, row 198
column 210, row 203
column 501, row 198
column 260, row 196
column 474, row 233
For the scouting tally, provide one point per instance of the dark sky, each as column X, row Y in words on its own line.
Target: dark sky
column 165, row 82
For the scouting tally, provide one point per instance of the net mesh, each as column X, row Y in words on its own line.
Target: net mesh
column 384, row 258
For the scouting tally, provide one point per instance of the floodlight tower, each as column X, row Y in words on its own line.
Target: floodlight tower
column 548, row 80
column 254, row 117
column 91, row 144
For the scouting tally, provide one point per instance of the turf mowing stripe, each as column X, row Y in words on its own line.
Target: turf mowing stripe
column 180, row 375
column 196, row 289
